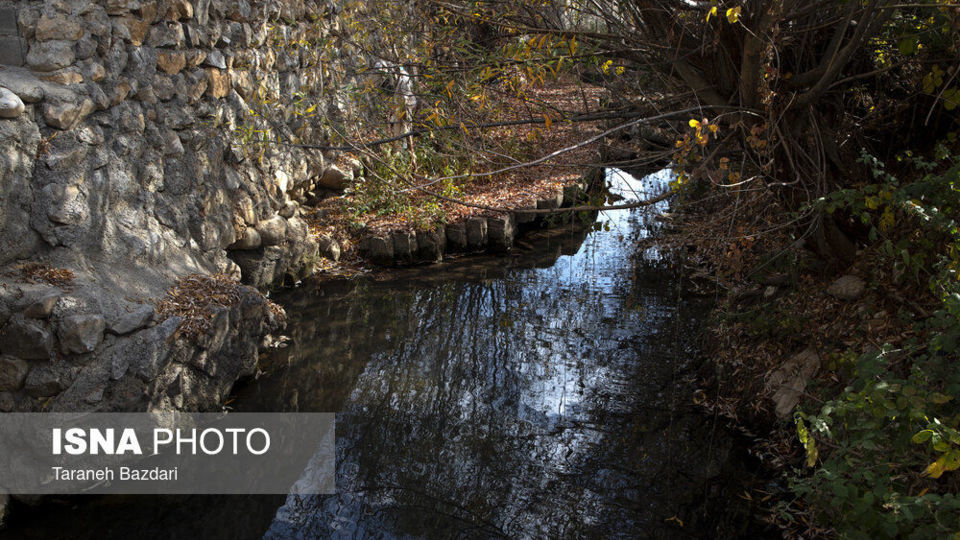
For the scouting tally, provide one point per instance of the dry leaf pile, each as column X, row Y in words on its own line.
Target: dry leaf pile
column 195, row 298
column 41, row 273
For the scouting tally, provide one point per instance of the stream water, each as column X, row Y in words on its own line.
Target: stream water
column 542, row 394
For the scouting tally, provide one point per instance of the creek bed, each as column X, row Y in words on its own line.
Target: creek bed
column 546, row 393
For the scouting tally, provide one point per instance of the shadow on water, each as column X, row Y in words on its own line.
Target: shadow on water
column 547, row 393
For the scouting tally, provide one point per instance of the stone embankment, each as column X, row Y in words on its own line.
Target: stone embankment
column 120, row 162
column 495, row 233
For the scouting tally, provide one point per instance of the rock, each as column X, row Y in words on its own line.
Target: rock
column 50, row 55
column 555, row 201
column 501, row 232
column 249, row 239
column 64, row 77
column 23, row 83
column 573, row 194
column 847, row 288
column 218, row 83
column 404, row 246
column 12, row 49
column 135, row 320
column 171, row 62
column 26, row 338
column 215, row 59
column 289, row 209
column 13, row 372
column 120, row 92
column 456, row 236
column 172, row 145
column 242, row 82
column 168, row 34
column 195, row 58
column 42, row 308
column 788, row 382
column 379, row 249
column 329, row 247
column 43, row 381
column 66, row 114
column 58, row 28
column 80, row 334
column 180, row 9
column 272, row 231
column 65, row 204
column 244, row 209
column 335, row 177
column 476, row 232
column 10, row 104
column 431, row 244
column 143, row 351
column 524, row 218
column 132, row 29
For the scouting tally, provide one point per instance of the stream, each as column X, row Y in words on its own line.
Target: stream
column 547, row 393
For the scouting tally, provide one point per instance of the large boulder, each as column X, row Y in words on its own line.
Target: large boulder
column 336, row 177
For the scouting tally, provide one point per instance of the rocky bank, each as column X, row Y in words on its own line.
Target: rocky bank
column 119, row 162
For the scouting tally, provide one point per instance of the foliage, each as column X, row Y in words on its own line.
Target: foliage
column 888, row 443
column 375, row 194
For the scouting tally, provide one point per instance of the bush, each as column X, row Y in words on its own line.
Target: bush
column 885, row 450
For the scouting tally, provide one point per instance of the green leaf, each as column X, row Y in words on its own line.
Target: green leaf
column 908, row 46
column 922, row 436
column 939, row 398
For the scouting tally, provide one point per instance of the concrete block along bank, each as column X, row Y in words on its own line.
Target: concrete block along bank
column 120, row 161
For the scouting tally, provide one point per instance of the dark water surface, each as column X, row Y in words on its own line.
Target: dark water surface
column 542, row 394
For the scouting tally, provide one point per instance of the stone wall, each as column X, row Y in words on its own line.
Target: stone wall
column 128, row 127
column 120, row 161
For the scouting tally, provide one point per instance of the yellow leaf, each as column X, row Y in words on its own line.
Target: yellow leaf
column 547, row 121
column 733, row 14
column 712, row 13
column 935, row 469
column 713, row 128
column 694, row 123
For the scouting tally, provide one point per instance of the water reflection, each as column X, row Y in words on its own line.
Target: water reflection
column 538, row 396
